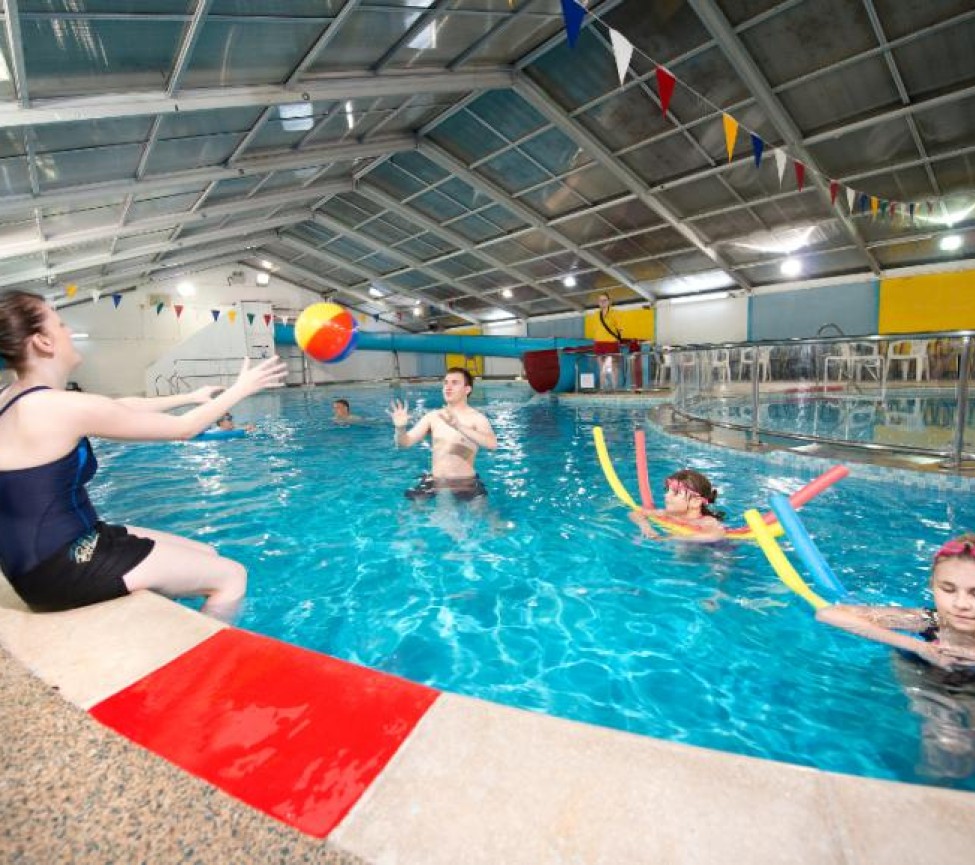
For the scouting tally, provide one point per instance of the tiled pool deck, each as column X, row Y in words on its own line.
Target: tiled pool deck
column 430, row 778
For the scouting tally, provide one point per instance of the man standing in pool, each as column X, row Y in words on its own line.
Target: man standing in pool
column 456, row 432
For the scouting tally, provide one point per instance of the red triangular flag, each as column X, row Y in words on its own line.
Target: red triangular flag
column 665, row 86
column 800, row 174
column 267, row 319
column 178, row 307
column 834, row 187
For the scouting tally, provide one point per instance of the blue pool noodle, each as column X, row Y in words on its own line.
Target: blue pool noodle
column 806, row 549
column 209, row 435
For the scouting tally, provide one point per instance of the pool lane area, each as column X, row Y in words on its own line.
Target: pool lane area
column 304, row 758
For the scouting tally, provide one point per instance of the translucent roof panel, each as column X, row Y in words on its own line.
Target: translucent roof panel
column 141, row 120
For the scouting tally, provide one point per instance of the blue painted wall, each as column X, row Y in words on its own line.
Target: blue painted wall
column 854, row 307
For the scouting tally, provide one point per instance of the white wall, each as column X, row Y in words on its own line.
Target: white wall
column 125, row 341
column 724, row 320
column 504, row 367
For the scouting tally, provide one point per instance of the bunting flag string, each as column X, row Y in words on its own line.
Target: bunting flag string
column 574, row 14
column 116, row 299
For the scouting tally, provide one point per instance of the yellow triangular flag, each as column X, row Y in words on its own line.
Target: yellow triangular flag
column 730, row 133
column 71, row 289
column 232, row 315
column 874, row 204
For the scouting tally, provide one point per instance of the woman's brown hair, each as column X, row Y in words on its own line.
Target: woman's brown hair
column 21, row 316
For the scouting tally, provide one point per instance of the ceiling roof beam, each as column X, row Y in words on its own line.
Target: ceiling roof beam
column 267, row 201
column 447, row 161
column 252, row 165
column 368, row 274
column 103, row 259
column 410, row 261
column 747, row 69
column 462, row 243
column 543, row 103
column 105, row 106
column 329, row 284
column 187, row 44
column 15, row 44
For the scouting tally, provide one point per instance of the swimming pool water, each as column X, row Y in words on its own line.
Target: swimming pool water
column 547, row 598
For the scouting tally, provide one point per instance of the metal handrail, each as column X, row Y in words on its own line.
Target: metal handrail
column 686, row 402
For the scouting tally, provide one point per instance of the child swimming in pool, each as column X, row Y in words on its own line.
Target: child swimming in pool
column 937, row 671
column 947, row 632
column 688, row 498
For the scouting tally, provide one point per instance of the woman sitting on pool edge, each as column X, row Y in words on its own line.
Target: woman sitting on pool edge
column 688, row 498
column 947, row 632
column 54, row 550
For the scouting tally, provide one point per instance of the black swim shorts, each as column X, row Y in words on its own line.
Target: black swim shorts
column 87, row 571
column 463, row 489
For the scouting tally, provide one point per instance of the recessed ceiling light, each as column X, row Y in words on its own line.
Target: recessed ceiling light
column 186, row 289
column 267, row 265
column 417, row 311
column 507, row 293
column 791, row 267
column 950, row 242
column 263, row 279
column 569, row 281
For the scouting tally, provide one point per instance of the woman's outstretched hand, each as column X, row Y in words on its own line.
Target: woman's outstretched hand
column 205, row 393
column 268, row 373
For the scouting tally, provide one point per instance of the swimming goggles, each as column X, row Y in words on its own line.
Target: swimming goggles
column 677, row 487
column 955, row 548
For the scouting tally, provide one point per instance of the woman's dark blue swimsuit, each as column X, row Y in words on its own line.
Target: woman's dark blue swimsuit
column 51, row 546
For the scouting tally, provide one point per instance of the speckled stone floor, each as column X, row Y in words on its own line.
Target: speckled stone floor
column 72, row 791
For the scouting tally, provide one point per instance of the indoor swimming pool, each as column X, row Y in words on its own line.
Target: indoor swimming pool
column 545, row 597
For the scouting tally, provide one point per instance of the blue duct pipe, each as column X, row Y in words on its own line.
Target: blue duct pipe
column 446, row 343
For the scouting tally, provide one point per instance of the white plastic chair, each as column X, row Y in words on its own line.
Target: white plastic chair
column 853, row 363
column 665, row 367
column 764, row 362
column 907, row 351
column 720, row 363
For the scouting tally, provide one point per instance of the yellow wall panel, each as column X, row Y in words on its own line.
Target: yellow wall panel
column 474, row 364
column 937, row 301
column 635, row 323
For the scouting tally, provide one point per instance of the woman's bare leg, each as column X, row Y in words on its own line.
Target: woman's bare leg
column 181, row 570
column 166, row 537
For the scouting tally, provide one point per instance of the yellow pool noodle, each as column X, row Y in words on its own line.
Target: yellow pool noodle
column 777, row 559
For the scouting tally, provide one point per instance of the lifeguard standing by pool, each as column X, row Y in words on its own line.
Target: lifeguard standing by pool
column 457, row 431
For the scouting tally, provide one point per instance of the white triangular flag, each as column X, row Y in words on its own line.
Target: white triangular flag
column 622, row 51
column 851, row 198
column 780, row 161
column 96, row 295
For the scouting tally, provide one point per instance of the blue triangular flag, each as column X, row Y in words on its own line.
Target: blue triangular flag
column 757, row 147
column 573, row 14
column 215, row 313
column 116, row 299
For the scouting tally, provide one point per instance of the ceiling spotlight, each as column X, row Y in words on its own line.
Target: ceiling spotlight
column 791, row 267
column 507, row 293
column 374, row 292
column 950, row 242
column 417, row 311
column 267, row 265
column 263, row 279
column 569, row 281
column 186, row 289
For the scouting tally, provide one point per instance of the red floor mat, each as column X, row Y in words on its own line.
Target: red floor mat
column 293, row 733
